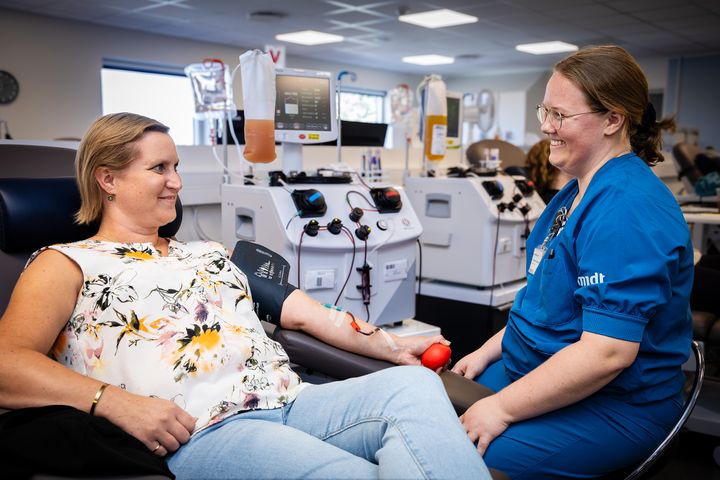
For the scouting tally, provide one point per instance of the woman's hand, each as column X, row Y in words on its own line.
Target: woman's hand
column 153, row 421
column 484, row 421
column 471, row 365
column 410, row 349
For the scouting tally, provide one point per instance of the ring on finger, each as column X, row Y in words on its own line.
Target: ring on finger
column 156, row 448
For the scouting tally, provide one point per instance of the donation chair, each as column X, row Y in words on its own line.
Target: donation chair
column 38, row 212
column 683, row 155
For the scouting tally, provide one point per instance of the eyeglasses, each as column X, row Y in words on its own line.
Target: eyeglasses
column 556, row 118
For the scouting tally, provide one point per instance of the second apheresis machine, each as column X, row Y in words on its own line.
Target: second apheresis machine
column 348, row 244
column 475, row 218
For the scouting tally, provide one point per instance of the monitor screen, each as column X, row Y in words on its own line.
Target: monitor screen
column 304, row 106
column 454, row 119
column 361, row 134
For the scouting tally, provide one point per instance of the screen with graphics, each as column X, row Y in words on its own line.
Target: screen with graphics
column 303, row 103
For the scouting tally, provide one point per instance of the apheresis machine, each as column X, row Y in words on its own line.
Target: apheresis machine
column 348, row 244
column 475, row 223
column 475, row 219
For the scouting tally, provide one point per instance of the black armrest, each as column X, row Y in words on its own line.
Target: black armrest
column 462, row 391
column 318, row 356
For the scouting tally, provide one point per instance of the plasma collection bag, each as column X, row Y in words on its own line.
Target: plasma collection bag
column 258, row 89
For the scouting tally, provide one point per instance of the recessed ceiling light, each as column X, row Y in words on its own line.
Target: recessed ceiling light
column 543, row 48
column 309, row 37
column 438, row 18
column 266, row 16
column 429, row 59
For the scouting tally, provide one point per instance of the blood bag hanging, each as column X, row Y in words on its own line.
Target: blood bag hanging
column 258, row 80
column 434, row 117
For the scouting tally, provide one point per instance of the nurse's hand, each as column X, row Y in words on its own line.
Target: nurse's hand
column 484, row 421
column 471, row 365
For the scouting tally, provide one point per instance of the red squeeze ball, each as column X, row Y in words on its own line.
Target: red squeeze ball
column 435, row 356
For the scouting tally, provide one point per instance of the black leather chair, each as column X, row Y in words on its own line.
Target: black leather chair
column 684, row 159
column 35, row 212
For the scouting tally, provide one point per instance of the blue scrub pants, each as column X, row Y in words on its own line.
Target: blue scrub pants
column 396, row 424
column 591, row 438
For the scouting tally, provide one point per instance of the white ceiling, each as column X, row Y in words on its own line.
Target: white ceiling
column 375, row 38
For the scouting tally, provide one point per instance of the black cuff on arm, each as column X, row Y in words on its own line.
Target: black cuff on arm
column 267, row 273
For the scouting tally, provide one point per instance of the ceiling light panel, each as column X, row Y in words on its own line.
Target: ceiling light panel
column 438, row 18
column 309, row 37
column 429, row 59
column 544, row 48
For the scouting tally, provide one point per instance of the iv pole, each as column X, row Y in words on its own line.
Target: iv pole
column 353, row 78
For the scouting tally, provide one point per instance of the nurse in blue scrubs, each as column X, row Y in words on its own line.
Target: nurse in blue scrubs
column 587, row 370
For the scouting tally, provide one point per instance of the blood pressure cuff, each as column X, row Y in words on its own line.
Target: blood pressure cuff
column 267, row 272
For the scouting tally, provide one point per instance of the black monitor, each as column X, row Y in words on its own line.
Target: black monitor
column 238, row 124
column 361, row 134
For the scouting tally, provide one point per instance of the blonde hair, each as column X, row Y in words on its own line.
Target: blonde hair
column 109, row 142
column 542, row 172
column 612, row 80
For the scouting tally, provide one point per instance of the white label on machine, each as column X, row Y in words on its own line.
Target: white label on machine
column 319, row 279
column 395, row 270
column 439, row 137
column 504, row 245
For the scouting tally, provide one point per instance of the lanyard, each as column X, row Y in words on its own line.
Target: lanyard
column 557, row 225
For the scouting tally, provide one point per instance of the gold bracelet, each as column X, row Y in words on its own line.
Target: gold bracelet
column 98, row 394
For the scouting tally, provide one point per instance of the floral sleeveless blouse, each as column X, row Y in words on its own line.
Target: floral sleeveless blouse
column 180, row 327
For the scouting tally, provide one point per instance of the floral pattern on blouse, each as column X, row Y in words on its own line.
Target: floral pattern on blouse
column 180, row 327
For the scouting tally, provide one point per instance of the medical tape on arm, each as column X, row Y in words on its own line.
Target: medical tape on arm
column 388, row 339
column 336, row 314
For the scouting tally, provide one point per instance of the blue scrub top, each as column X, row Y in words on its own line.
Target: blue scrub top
column 622, row 266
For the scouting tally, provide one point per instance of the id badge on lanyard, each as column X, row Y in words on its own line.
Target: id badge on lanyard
column 555, row 229
column 538, row 254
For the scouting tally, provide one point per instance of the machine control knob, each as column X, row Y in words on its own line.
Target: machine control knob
column 362, row 232
column 524, row 209
column 526, row 187
column 309, row 203
column 511, row 206
column 387, row 199
column 517, row 197
column 312, row 228
column 502, row 206
column 382, row 225
column 356, row 214
column 335, row 226
column 493, row 188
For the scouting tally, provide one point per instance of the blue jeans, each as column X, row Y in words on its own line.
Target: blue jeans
column 396, row 423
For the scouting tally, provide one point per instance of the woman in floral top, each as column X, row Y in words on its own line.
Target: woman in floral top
column 160, row 337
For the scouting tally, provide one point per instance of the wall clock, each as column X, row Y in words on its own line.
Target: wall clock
column 9, row 87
